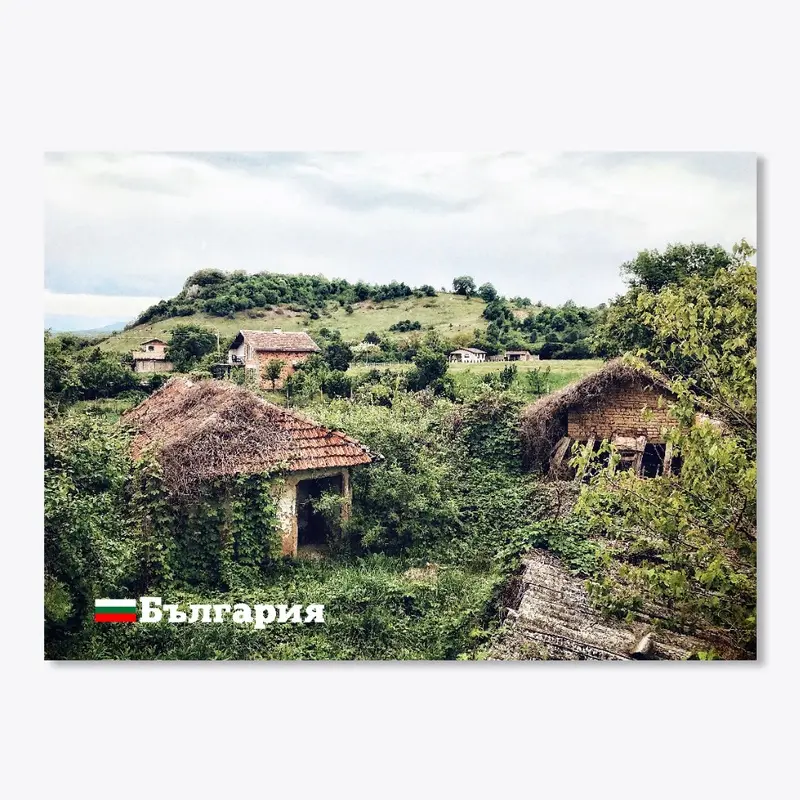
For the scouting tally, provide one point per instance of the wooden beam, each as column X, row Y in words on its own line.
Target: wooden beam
column 668, row 458
column 590, row 445
column 559, row 453
column 641, row 443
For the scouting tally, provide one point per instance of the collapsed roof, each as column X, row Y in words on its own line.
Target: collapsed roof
column 544, row 421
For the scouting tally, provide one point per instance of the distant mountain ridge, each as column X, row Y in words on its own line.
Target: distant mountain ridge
column 67, row 323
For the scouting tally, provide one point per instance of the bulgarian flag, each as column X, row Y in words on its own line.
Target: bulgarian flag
column 115, row 610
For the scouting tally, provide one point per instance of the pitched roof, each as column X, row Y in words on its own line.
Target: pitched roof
column 467, row 350
column 208, row 429
column 271, row 342
column 150, row 341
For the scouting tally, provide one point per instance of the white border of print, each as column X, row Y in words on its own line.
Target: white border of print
column 433, row 76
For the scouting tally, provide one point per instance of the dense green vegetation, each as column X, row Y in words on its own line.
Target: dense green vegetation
column 688, row 542
column 413, row 573
column 440, row 523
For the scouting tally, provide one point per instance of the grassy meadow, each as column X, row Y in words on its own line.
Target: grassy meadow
column 447, row 313
column 562, row 372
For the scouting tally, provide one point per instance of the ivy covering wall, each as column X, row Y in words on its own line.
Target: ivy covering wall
column 224, row 536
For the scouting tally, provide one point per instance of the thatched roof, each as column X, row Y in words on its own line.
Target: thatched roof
column 277, row 342
column 552, row 618
column 208, row 429
column 544, row 422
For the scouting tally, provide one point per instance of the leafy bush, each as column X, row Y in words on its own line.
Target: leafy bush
column 406, row 325
column 188, row 344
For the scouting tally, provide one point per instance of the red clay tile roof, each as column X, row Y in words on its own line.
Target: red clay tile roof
column 270, row 342
column 213, row 428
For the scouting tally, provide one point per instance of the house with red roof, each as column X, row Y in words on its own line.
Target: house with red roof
column 254, row 349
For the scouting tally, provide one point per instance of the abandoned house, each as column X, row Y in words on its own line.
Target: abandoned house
column 253, row 349
column 152, row 357
column 467, row 355
column 625, row 403
column 205, row 430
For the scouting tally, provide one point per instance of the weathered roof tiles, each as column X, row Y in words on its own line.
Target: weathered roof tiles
column 207, row 429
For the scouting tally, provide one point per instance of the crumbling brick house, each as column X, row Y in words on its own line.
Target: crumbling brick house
column 206, row 430
column 625, row 403
column 253, row 349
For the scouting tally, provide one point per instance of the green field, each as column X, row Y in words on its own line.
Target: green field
column 562, row 372
column 447, row 313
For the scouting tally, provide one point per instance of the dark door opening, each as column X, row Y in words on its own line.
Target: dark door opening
column 312, row 528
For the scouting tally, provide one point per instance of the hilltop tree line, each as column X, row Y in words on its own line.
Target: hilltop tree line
column 224, row 293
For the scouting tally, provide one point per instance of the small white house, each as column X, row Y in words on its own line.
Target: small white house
column 467, row 355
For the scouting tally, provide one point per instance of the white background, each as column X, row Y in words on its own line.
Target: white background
column 434, row 76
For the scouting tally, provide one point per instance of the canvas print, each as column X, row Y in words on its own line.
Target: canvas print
column 400, row 406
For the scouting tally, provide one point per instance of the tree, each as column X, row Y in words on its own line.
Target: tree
column 103, row 375
column 188, row 344
column 464, row 285
column 653, row 270
column 338, row 356
column 272, row 370
column 337, row 384
column 372, row 338
column 487, row 293
column 429, row 369
column 688, row 542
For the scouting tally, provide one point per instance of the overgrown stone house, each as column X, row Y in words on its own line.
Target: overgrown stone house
column 253, row 349
column 625, row 403
column 207, row 430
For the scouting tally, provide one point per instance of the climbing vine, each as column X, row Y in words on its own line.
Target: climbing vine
column 224, row 536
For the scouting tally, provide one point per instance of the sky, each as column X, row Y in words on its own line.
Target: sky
column 123, row 230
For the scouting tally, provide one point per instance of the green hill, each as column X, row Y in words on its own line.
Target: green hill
column 447, row 313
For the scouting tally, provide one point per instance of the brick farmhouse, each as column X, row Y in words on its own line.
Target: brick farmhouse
column 253, row 349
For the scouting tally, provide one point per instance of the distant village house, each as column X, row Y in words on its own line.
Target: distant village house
column 515, row 355
column 253, row 349
column 623, row 403
column 152, row 357
column 467, row 355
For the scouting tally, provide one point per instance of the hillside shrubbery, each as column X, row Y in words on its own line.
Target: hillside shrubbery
column 414, row 576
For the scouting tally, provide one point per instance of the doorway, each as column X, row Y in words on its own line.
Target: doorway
column 312, row 528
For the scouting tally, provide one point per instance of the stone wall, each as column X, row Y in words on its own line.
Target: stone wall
column 619, row 413
column 151, row 365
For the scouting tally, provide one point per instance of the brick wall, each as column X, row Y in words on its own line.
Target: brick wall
column 619, row 413
column 289, row 359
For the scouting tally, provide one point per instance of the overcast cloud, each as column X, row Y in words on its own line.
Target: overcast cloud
column 132, row 227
